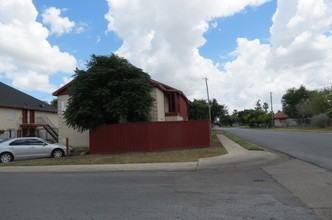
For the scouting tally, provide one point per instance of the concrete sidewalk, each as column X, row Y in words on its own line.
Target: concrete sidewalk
column 237, row 157
column 311, row 184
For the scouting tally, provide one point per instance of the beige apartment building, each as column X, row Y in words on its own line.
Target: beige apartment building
column 169, row 104
column 23, row 115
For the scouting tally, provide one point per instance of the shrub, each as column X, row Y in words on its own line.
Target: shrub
column 319, row 120
column 329, row 113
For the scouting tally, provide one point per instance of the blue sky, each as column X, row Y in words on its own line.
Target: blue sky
column 251, row 23
column 89, row 16
column 246, row 48
column 93, row 38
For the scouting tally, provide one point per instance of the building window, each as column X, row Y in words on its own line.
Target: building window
column 171, row 102
column 63, row 106
column 24, row 116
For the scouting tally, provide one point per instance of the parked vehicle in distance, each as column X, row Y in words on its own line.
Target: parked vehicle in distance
column 28, row 148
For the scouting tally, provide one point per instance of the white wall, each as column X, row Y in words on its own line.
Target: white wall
column 158, row 107
column 10, row 118
column 76, row 138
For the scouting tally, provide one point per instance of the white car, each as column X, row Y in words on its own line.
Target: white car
column 28, row 148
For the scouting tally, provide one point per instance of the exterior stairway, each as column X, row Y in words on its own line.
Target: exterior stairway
column 49, row 127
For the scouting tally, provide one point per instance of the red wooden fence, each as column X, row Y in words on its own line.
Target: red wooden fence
column 149, row 136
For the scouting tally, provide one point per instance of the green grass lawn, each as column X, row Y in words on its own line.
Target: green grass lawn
column 245, row 144
column 188, row 155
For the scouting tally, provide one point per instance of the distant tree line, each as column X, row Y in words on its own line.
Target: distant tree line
column 198, row 109
column 304, row 103
column 296, row 103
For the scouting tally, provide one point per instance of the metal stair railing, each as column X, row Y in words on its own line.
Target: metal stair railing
column 49, row 126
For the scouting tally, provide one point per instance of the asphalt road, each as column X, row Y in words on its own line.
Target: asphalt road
column 315, row 148
column 210, row 194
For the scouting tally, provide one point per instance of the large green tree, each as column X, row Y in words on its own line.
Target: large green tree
column 227, row 120
column 319, row 101
column 218, row 111
column 258, row 118
column 111, row 90
column 198, row 109
column 253, row 117
column 303, row 103
column 292, row 99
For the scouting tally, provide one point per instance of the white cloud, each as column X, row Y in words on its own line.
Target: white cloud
column 81, row 27
column 58, row 25
column 296, row 35
column 299, row 53
column 26, row 57
column 164, row 37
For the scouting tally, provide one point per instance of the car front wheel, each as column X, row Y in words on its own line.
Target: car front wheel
column 57, row 153
column 6, row 157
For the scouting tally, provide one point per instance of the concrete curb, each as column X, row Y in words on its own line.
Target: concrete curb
column 237, row 157
column 186, row 166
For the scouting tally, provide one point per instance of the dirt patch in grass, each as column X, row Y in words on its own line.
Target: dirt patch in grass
column 188, row 155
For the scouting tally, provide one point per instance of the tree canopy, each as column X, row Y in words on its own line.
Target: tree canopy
column 54, row 102
column 111, row 90
column 198, row 109
column 253, row 117
column 292, row 99
column 303, row 103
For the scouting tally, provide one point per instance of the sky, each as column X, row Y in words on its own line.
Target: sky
column 248, row 50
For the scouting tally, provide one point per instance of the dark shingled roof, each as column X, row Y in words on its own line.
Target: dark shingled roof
column 13, row 98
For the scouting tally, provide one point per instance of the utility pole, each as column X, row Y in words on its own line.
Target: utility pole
column 208, row 98
column 272, row 122
column 331, row 97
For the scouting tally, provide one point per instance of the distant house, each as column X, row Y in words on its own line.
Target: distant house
column 23, row 115
column 169, row 104
column 280, row 119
